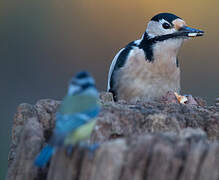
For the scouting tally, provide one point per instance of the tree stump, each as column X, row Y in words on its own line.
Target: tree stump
column 144, row 140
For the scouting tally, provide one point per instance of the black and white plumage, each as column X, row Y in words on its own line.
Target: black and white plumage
column 148, row 68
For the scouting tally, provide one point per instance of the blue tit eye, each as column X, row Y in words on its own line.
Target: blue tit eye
column 166, row 26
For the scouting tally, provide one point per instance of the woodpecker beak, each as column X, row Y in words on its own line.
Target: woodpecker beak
column 190, row 32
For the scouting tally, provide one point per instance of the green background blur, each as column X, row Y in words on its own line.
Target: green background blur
column 44, row 42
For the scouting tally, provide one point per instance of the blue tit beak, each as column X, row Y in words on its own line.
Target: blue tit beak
column 190, row 32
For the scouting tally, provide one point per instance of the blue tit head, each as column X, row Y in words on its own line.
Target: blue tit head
column 82, row 83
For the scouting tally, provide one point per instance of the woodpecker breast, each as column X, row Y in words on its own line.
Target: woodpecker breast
column 140, row 78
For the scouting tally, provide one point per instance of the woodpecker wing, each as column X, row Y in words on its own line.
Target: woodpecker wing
column 112, row 66
column 118, row 62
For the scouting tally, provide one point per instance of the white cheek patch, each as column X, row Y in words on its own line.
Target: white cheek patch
column 163, row 21
column 73, row 89
column 156, row 29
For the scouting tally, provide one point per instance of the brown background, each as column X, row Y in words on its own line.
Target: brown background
column 44, row 42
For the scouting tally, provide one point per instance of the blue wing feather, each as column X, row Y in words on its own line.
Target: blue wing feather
column 92, row 113
column 66, row 123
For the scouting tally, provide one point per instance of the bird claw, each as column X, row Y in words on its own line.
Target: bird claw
column 92, row 147
column 69, row 150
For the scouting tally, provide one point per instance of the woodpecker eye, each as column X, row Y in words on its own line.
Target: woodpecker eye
column 166, row 26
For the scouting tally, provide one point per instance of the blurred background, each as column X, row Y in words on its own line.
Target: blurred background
column 44, row 42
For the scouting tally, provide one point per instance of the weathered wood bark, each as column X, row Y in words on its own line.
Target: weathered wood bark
column 146, row 140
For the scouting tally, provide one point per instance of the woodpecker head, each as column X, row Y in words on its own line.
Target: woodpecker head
column 81, row 83
column 164, row 36
column 169, row 26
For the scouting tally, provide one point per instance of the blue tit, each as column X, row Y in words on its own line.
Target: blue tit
column 75, row 118
column 148, row 68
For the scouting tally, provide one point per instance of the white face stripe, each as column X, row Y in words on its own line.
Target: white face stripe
column 164, row 21
column 73, row 89
column 112, row 66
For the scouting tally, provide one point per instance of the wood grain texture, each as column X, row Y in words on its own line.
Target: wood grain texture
column 146, row 140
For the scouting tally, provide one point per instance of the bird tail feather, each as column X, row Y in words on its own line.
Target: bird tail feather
column 44, row 156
